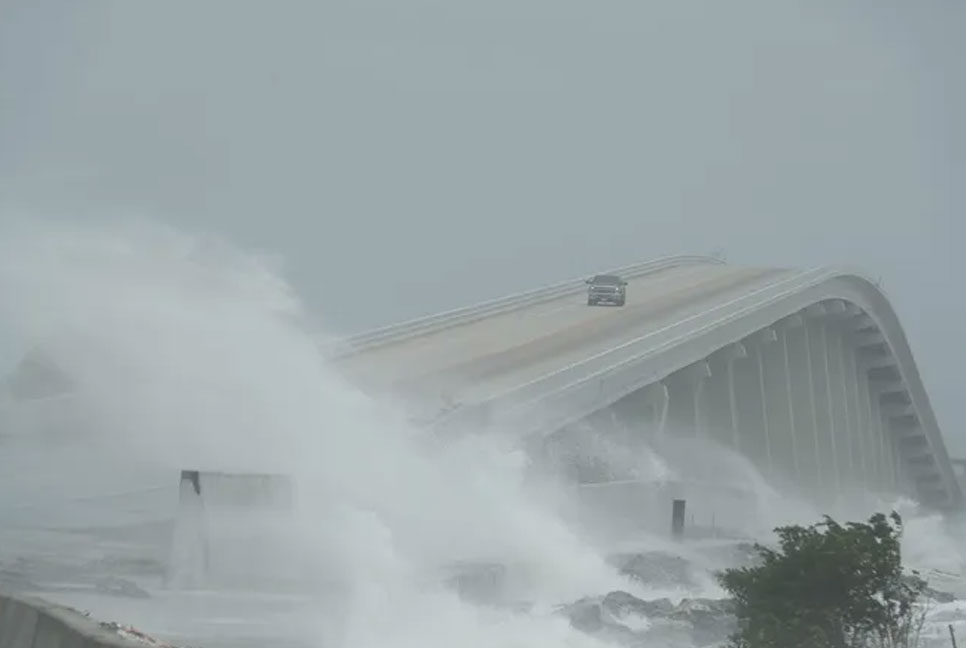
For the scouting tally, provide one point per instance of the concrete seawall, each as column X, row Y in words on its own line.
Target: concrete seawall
column 33, row 623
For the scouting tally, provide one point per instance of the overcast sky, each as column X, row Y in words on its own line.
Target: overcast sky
column 407, row 156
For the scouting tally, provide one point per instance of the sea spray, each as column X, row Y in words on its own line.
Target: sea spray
column 191, row 354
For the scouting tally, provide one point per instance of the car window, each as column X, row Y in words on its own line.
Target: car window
column 607, row 280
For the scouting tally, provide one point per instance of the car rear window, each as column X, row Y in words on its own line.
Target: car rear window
column 607, row 279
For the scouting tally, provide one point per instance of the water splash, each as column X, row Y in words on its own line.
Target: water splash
column 188, row 353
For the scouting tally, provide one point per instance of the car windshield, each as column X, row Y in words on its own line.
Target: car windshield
column 607, row 280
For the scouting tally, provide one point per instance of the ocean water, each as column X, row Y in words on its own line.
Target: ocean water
column 186, row 353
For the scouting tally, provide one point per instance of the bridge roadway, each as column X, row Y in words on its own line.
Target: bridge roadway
column 472, row 362
column 814, row 361
column 475, row 361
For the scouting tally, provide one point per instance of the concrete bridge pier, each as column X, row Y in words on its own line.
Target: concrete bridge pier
column 848, row 376
column 825, row 429
column 891, row 393
column 778, row 411
column 801, row 395
column 752, row 407
column 871, row 463
column 657, row 400
column 721, row 397
column 785, row 422
column 687, row 413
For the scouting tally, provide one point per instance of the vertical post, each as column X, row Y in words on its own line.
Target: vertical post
column 814, row 407
column 858, row 429
column 733, row 405
column 699, row 430
column 883, row 448
column 870, row 432
column 677, row 519
column 658, row 399
column 766, row 337
column 764, row 409
column 849, row 428
column 734, row 352
column 695, row 376
column 830, row 410
column 789, row 392
column 189, row 562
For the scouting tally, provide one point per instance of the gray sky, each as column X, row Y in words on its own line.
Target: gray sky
column 483, row 147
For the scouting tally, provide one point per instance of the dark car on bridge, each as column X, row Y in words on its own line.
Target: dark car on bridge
column 606, row 289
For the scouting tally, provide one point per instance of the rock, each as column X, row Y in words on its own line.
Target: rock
column 693, row 622
column 585, row 615
column 622, row 603
column 655, row 568
column 711, row 621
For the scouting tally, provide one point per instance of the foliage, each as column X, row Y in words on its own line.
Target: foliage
column 828, row 585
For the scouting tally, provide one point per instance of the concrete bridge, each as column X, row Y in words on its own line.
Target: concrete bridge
column 807, row 373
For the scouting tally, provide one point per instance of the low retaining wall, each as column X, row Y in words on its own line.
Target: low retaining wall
column 34, row 623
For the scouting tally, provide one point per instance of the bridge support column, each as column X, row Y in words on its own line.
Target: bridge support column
column 881, row 449
column 803, row 391
column 870, row 454
column 750, row 407
column 843, row 404
column 685, row 390
column 797, row 386
column 765, row 339
column 890, row 394
column 657, row 399
column 727, row 416
column 839, row 411
column 824, row 422
column 851, row 377
column 717, row 400
column 781, row 422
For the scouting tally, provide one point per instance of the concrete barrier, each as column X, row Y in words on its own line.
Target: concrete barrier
column 33, row 623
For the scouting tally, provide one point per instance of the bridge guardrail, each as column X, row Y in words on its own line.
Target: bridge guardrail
column 467, row 314
column 562, row 385
column 556, row 398
column 609, row 363
column 628, row 352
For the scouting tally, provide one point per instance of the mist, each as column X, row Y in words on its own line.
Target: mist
column 471, row 148
column 191, row 195
column 187, row 353
column 184, row 351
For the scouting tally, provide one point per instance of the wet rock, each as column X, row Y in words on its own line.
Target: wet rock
column 621, row 603
column 586, row 615
column 711, row 621
column 692, row 622
column 655, row 569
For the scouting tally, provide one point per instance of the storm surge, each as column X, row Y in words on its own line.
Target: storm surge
column 186, row 353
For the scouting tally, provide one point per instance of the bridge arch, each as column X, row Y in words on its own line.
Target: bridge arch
column 819, row 356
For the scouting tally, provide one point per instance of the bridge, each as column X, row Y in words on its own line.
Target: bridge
column 807, row 373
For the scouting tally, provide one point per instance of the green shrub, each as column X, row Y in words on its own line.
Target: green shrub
column 828, row 585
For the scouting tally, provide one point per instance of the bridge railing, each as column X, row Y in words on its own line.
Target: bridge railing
column 468, row 314
column 562, row 396
column 561, row 392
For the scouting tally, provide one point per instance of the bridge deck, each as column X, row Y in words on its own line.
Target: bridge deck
column 472, row 361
